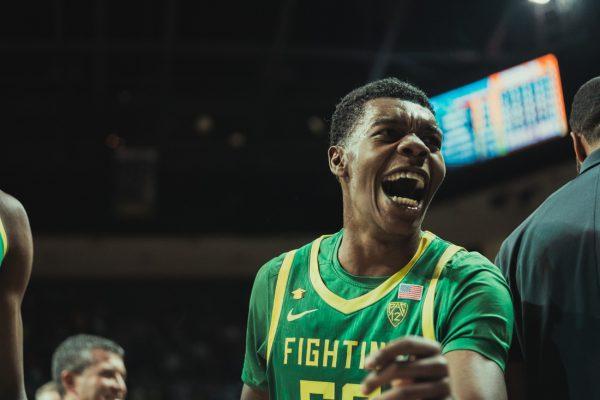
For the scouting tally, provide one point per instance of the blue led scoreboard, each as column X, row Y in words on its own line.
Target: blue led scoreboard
column 505, row 112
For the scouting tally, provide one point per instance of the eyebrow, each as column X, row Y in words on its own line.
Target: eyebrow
column 388, row 121
column 114, row 369
column 430, row 126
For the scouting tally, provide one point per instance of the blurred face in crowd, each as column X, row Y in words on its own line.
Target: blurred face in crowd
column 104, row 379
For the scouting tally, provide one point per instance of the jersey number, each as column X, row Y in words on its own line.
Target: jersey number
column 350, row 391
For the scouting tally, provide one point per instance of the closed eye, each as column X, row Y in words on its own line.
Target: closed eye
column 387, row 134
column 106, row 373
column 434, row 142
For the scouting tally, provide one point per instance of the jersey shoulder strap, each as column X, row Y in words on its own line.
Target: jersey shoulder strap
column 427, row 318
column 280, row 286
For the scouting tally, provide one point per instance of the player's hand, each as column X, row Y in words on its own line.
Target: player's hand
column 413, row 366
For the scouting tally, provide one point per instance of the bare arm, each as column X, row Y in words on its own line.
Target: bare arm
column 463, row 374
column 474, row 377
column 14, row 277
column 250, row 393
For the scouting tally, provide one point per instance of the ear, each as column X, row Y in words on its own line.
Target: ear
column 68, row 380
column 580, row 147
column 337, row 161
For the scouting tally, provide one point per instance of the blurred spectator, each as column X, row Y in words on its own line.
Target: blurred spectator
column 89, row 367
column 48, row 391
column 196, row 353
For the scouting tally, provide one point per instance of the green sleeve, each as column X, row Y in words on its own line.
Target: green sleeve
column 476, row 308
column 254, row 372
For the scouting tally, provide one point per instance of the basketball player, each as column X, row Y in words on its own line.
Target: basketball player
column 87, row 367
column 16, row 254
column 426, row 318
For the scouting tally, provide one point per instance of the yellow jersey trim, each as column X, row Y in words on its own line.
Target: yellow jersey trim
column 280, row 286
column 4, row 238
column 348, row 306
column 428, row 305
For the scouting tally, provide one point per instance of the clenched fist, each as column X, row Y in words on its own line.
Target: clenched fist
column 413, row 366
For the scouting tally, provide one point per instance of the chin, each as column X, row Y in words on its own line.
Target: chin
column 400, row 219
column 400, row 228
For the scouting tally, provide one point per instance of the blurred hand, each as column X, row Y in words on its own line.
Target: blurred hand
column 413, row 366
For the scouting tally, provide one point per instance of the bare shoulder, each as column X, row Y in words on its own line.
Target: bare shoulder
column 15, row 269
column 15, row 222
column 11, row 209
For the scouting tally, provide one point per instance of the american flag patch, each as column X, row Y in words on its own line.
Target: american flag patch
column 408, row 291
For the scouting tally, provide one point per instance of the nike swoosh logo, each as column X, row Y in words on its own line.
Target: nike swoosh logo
column 292, row 317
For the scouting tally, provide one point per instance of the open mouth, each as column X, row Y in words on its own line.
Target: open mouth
column 404, row 188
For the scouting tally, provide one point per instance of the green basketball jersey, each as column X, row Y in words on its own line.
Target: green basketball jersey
column 312, row 325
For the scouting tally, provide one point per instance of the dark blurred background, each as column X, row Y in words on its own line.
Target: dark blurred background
column 164, row 150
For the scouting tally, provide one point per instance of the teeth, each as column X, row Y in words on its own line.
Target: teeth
column 407, row 175
column 405, row 201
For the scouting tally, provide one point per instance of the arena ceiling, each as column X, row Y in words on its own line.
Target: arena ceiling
column 184, row 116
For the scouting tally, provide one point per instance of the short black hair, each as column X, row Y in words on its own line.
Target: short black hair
column 75, row 354
column 350, row 108
column 585, row 111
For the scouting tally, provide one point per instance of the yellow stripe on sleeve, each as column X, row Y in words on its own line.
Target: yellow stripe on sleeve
column 4, row 238
column 280, row 287
column 428, row 305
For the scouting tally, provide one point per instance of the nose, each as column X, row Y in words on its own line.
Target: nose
column 413, row 147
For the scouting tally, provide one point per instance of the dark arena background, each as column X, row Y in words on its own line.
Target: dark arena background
column 165, row 150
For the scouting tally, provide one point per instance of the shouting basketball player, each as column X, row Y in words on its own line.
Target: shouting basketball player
column 380, row 309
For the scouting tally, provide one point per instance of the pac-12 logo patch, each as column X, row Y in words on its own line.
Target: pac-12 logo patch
column 396, row 312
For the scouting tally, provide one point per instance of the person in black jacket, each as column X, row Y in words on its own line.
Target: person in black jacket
column 552, row 264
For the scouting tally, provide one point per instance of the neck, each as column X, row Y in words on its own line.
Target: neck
column 592, row 148
column 362, row 253
column 586, row 150
column 69, row 396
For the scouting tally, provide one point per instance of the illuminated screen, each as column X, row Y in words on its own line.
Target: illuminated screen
column 502, row 113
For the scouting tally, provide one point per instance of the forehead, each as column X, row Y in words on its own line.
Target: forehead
column 397, row 110
column 106, row 359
